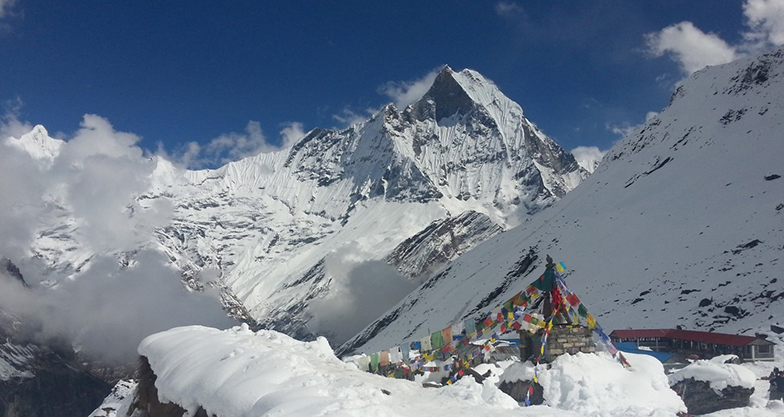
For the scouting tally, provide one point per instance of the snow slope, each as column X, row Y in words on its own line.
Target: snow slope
column 681, row 224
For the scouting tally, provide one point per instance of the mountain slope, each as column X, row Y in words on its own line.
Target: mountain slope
column 681, row 224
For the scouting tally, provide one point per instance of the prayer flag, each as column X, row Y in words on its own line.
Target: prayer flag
column 560, row 267
column 509, row 306
column 582, row 310
column 457, row 329
column 591, row 322
column 405, row 353
column 530, row 289
column 384, row 358
column 395, row 356
column 470, row 328
column 573, row 300
column 374, row 361
column 364, row 363
column 446, row 335
column 488, row 322
column 437, row 340
column 425, row 343
column 516, row 325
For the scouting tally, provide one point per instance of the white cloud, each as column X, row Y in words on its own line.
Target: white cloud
column 507, row 8
column 588, row 157
column 230, row 147
column 353, row 300
column 404, row 93
column 690, row 47
column 622, row 129
column 108, row 310
column 650, row 115
column 348, row 117
column 10, row 125
column 694, row 49
column 86, row 198
column 5, row 7
column 765, row 19
column 291, row 134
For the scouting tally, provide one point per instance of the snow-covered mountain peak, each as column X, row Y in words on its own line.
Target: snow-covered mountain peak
column 37, row 144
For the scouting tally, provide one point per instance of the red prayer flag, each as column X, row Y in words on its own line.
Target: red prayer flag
column 573, row 300
column 516, row 326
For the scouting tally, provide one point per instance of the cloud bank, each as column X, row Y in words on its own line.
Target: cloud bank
column 361, row 292
column 75, row 199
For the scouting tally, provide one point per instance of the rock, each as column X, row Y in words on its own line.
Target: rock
column 519, row 389
column 700, row 398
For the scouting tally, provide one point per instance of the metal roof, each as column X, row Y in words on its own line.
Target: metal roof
column 689, row 336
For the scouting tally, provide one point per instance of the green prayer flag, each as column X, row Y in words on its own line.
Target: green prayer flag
column 437, row 340
column 509, row 306
column 374, row 361
column 582, row 310
column 545, row 282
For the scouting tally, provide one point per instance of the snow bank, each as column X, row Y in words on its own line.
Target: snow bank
column 239, row 373
column 596, row 384
column 718, row 375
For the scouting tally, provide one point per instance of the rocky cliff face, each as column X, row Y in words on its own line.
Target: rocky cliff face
column 37, row 382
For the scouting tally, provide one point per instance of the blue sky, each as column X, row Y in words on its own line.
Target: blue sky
column 180, row 72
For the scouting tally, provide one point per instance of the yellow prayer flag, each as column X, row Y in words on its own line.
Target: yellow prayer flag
column 591, row 322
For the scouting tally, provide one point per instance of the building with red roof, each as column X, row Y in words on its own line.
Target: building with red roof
column 705, row 343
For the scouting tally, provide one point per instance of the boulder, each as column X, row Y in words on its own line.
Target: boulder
column 700, row 398
column 519, row 389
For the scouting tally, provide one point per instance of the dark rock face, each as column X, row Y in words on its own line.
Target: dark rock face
column 40, row 382
column 700, row 398
column 445, row 98
column 441, row 242
column 519, row 390
column 56, row 390
column 146, row 403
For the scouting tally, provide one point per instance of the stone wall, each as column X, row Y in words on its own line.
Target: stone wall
column 568, row 340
